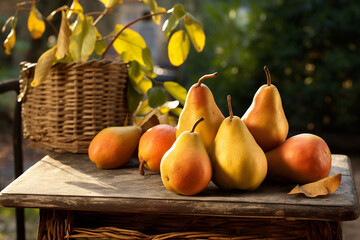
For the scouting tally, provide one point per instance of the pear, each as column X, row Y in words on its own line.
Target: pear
column 186, row 168
column 265, row 118
column 113, row 147
column 238, row 161
column 200, row 102
column 302, row 158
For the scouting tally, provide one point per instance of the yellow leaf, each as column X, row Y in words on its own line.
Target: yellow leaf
column 167, row 106
column 157, row 18
column 43, row 66
column 75, row 8
column 36, row 24
column 10, row 42
column 324, row 186
column 154, row 8
column 195, row 30
column 138, row 78
column 177, row 111
column 100, row 44
column 111, row 3
column 176, row 90
column 178, row 48
column 144, row 108
column 129, row 45
column 63, row 40
column 83, row 39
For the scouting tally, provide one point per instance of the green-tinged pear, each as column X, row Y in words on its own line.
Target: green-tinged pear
column 200, row 103
column 238, row 161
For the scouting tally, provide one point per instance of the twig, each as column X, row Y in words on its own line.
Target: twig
column 128, row 25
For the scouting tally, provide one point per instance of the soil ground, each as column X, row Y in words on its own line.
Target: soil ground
column 351, row 229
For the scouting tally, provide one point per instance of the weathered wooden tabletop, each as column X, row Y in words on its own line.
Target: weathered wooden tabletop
column 72, row 182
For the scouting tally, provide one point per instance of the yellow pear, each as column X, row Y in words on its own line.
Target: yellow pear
column 186, row 168
column 265, row 118
column 200, row 103
column 238, row 161
column 112, row 147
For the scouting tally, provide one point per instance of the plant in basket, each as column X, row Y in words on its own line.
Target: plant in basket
column 79, row 44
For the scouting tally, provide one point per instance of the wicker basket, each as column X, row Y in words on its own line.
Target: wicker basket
column 74, row 103
column 90, row 225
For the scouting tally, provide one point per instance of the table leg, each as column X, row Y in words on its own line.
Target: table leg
column 319, row 230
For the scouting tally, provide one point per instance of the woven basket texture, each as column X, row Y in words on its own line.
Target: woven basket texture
column 73, row 104
column 80, row 225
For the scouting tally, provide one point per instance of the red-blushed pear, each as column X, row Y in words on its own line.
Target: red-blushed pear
column 186, row 168
column 112, row 147
column 303, row 158
column 200, row 103
column 265, row 118
column 153, row 144
column 237, row 160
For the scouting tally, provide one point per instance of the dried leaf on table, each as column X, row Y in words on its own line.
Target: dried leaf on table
column 325, row 186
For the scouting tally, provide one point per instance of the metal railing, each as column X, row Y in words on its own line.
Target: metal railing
column 7, row 86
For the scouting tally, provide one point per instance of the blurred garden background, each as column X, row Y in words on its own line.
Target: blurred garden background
column 312, row 49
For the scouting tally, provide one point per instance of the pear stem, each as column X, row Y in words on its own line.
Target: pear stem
column 230, row 108
column 212, row 75
column 141, row 167
column 195, row 124
column 268, row 77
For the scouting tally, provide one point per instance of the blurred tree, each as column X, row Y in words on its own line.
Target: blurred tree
column 311, row 48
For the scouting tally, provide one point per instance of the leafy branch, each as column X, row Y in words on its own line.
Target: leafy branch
column 78, row 38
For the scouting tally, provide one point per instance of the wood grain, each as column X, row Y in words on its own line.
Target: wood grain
column 72, row 182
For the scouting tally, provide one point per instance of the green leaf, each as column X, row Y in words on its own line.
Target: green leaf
column 176, row 90
column 144, row 108
column 35, row 23
column 43, row 66
column 133, row 97
column 156, row 96
column 129, row 45
column 146, row 55
column 178, row 47
column 196, row 32
column 178, row 12
column 153, row 9
column 100, row 44
column 176, row 111
column 83, row 39
column 137, row 78
column 152, row 4
column 63, row 40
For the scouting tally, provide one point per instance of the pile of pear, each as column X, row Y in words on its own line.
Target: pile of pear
column 234, row 153
column 239, row 153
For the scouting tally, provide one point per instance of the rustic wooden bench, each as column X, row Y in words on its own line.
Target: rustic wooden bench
column 78, row 200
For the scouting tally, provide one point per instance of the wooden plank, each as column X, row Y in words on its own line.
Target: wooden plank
column 72, row 181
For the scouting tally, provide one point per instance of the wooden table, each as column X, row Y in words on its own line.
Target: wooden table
column 77, row 199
